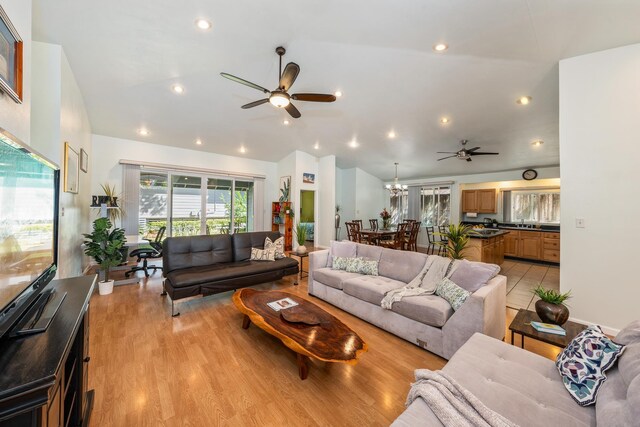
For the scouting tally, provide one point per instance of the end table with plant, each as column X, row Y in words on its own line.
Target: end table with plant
column 301, row 231
column 105, row 245
column 550, row 307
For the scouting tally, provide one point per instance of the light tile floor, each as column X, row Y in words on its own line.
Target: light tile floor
column 523, row 277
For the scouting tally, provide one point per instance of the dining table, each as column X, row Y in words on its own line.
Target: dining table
column 374, row 236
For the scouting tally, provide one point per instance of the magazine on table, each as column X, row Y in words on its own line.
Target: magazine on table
column 281, row 304
column 548, row 328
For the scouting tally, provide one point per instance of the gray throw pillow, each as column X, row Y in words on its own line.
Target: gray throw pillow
column 452, row 293
column 278, row 244
column 473, row 275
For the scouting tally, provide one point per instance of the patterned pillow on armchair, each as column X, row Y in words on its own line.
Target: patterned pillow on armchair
column 583, row 363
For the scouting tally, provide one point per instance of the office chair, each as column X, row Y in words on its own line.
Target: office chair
column 143, row 254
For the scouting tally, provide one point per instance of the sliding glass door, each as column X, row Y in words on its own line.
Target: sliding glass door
column 190, row 204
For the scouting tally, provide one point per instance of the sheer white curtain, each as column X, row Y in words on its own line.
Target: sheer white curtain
column 131, row 196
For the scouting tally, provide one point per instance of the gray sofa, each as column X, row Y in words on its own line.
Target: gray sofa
column 428, row 320
column 527, row 388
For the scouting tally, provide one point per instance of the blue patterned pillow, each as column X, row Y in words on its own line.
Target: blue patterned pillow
column 454, row 294
column 583, row 362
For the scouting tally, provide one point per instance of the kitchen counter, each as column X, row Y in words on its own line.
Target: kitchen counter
column 483, row 235
column 542, row 230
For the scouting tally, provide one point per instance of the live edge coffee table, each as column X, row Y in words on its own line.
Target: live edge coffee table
column 310, row 331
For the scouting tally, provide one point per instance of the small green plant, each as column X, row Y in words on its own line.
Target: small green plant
column 105, row 245
column 457, row 238
column 551, row 296
column 301, row 231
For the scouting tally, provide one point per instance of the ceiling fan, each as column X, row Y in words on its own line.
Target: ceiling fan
column 465, row 154
column 280, row 97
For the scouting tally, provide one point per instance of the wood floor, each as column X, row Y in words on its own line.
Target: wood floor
column 203, row 369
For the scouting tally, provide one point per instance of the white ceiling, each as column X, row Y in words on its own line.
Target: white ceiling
column 127, row 54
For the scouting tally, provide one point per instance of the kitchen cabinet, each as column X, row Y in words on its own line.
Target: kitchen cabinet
column 534, row 245
column 489, row 249
column 479, row 201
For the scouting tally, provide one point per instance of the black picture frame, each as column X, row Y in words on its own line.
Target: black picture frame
column 84, row 161
column 11, row 46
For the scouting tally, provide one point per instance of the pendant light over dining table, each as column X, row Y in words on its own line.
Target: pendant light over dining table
column 396, row 187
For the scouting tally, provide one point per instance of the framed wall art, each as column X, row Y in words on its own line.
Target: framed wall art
column 84, row 161
column 10, row 59
column 71, row 171
column 308, row 178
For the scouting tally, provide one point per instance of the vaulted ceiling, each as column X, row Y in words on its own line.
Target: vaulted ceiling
column 126, row 56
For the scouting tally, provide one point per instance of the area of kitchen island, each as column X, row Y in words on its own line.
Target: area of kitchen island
column 486, row 246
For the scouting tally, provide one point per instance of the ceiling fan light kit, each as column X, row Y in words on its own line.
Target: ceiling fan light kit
column 280, row 97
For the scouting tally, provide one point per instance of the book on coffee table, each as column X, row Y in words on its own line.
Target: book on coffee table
column 548, row 328
column 282, row 304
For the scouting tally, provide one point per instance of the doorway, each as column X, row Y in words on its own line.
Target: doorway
column 307, row 212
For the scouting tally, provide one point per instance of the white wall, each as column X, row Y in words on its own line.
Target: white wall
column 326, row 196
column 15, row 117
column 58, row 114
column 108, row 151
column 371, row 196
column 599, row 152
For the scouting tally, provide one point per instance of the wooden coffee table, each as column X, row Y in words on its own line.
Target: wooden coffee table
column 329, row 340
column 521, row 324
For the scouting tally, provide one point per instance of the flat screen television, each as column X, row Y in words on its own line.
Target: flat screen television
column 29, row 194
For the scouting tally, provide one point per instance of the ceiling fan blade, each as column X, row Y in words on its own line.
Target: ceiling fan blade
column 289, row 76
column 291, row 109
column 446, row 152
column 255, row 103
column 469, row 159
column 472, row 149
column 483, row 154
column 447, row 157
column 313, row 97
column 244, row 82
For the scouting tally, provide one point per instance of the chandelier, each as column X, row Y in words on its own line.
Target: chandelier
column 396, row 187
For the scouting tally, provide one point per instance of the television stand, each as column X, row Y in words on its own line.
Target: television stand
column 38, row 318
column 44, row 376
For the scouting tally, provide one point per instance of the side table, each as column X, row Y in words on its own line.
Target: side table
column 521, row 324
column 301, row 257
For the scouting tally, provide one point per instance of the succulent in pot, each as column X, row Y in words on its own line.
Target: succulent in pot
column 550, row 307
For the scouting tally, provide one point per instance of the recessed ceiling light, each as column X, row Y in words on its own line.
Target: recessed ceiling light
column 445, row 120
column 198, row 142
column 203, row 24
column 391, row 134
column 440, row 47
column 537, row 143
column 143, row 131
column 177, row 89
column 316, row 146
column 338, row 94
column 353, row 143
column 523, row 100
column 285, row 122
column 242, row 149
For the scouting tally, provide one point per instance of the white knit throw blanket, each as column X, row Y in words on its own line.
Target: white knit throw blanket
column 424, row 283
column 451, row 403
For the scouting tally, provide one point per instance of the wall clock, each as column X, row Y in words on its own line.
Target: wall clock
column 530, row 174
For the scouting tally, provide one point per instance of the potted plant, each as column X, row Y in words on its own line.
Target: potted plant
column 105, row 245
column 550, row 307
column 301, row 237
column 457, row 238
column 386, row 219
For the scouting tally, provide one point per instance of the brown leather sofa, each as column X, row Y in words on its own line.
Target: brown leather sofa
column 206, row 265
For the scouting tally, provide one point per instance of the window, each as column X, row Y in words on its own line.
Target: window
column 399, row 206
column 435, row 205
column 537, row 206
column 152, row 213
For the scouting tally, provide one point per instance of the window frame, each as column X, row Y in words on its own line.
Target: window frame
column 537, row 192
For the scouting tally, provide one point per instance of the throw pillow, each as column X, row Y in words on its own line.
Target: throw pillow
column 583, row 363
column 278, row 245
column 452, row 293
column 263, row 254
column 352, row 265
column 341, row 249
column 339, row 263
column 368, row 267
column 473, row 275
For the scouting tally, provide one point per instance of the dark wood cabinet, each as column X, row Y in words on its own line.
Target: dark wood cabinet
column 43, row 381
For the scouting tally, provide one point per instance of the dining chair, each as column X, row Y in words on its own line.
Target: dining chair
column 411, row 243
column 398, row 239
column 374, row 224
column 359, row 222
column 431, row 247
column 444, row 242
column 353, row 231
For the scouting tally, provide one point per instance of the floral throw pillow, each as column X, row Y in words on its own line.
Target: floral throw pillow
column 278, row 244
column 263, row 254
column 583, row 363
column 454, row 294
column 339, row 263
column 353, row 265
column 368, row 267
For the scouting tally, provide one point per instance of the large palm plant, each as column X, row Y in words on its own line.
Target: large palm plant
column 457, row 238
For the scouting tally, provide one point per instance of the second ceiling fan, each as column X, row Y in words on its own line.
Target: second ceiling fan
column 466, row 154
column 280, row 97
